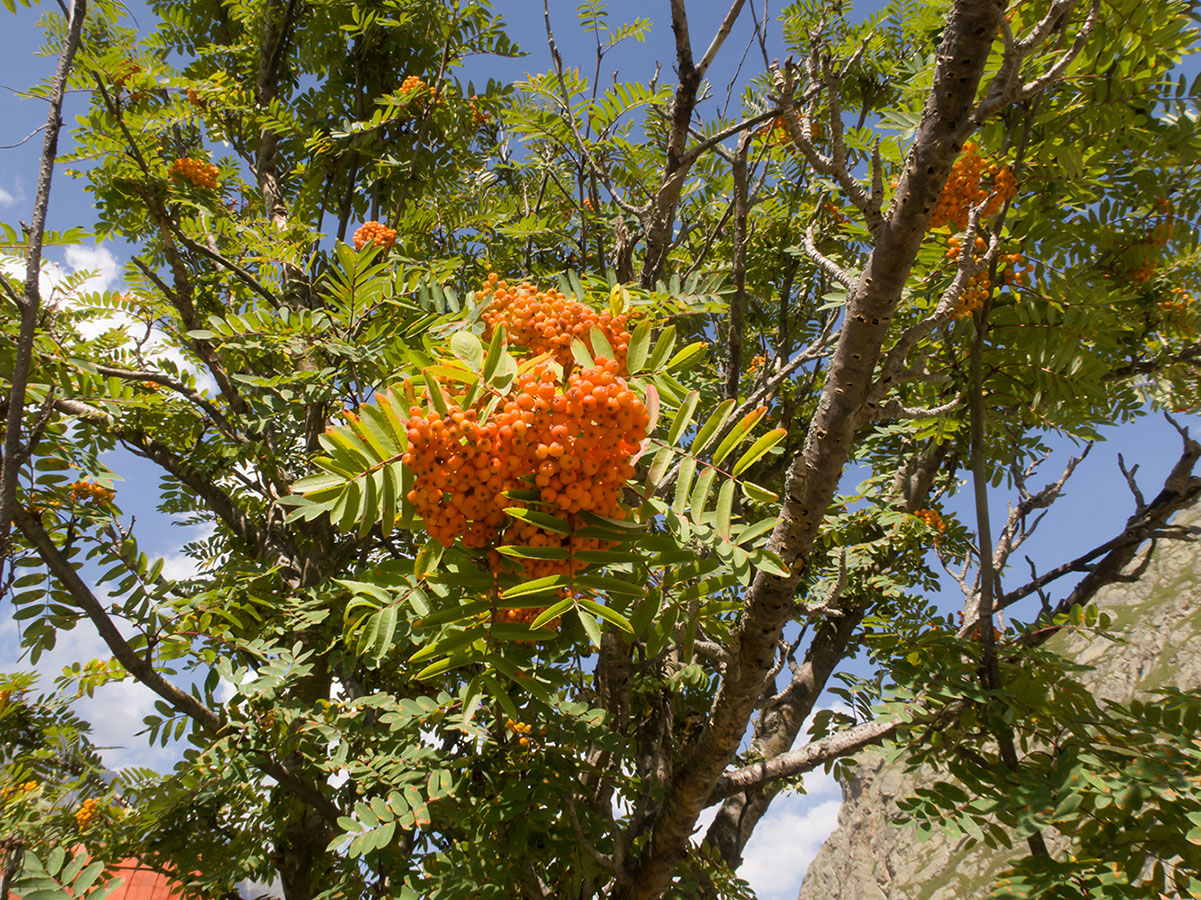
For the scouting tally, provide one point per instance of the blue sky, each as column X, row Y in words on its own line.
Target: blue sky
column 1096, row 505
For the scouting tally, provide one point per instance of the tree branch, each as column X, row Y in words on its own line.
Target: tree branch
column 814, row 474
column 23, row 359
column 802, row 759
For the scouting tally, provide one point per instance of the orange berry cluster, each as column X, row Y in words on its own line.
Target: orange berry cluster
column 836, row 215
column 979, row 286
column 573, row 440
column 1015, row 273
column 375, row 233
column 757, row 362
column 589, row 204
column 87, row 813
column 1139, row 261
column 522, row 730
column 9, row 791
column 199, row 172
column 416, row 86
column 90, row 492
column 964, row 189
column 1009, row 266
column 1177, row 305
column 479, row 116
column 782, row 137
column 458, row 475
column 545, row 321
column 128, row 69
column 932, row 519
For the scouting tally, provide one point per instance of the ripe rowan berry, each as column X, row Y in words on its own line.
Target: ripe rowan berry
column 201, row 173
column 546, row 321
column 375, row 233
column 965, row 189
column 932, row 519
column 91, row 493
column 87, row 813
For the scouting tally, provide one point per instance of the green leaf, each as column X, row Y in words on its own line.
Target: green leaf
column 737, row 433
column 683, row 417
column 581, row 354
column 606, row 613
column 87, row 878
column 658, row 467
column 426, row 563
column 535, row 586
column 601, row 347
column 700, row 493
column 622, row 586
column 533, row 552
column 640, row 342
column 683, row 485
column 448, row 644
column 377, row 636
column 590, row 626
column 552, row 612
column 750, row 532
column 757, row 493
column 501, row 696
column 766, row 561
column 421, row 813
column 689, row 355
column 445, row 664
column 652, row 408
column 646, row 611
column 756, row 450
column 434, row 390
column 661, row 632
column 663, row 348
column 725, row 502
column 545, row 521
column 712, row 424
column 496, row 349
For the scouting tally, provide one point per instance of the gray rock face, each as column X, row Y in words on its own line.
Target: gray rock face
column 868, row 858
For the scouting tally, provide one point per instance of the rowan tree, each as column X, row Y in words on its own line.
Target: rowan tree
column 522, row 416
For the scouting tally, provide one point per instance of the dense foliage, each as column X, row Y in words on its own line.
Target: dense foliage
column 520, row 414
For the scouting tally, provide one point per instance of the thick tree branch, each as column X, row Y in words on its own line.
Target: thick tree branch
column 803, row 759
column 32, row 300
column 814, row 474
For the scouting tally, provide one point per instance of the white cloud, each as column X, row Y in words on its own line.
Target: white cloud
column 105, row 274
column 785, row 842
column 177, row 565
column 790, row 834
column 115, row 710
column 97, row 260
column 6, row 199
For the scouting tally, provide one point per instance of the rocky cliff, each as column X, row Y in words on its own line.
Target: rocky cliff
column 868, row 858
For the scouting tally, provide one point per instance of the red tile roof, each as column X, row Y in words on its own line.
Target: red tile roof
column 142, row 883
